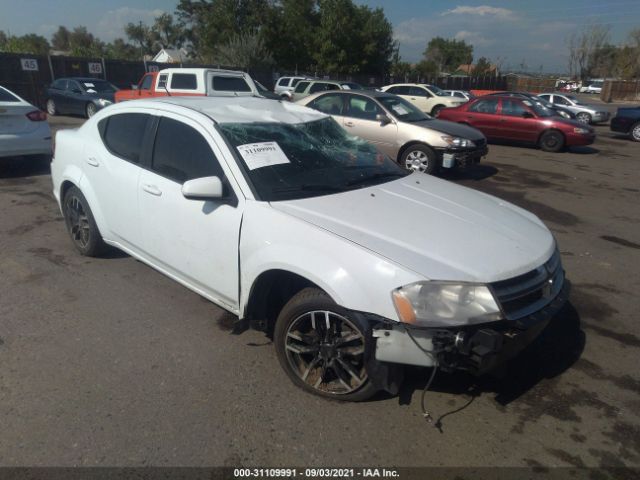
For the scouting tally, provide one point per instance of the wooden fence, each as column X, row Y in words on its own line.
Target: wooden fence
column 617, row 90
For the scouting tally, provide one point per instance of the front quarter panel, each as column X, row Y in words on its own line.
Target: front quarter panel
column 354, row 277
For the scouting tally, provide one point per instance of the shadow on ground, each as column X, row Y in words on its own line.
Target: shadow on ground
column 27, row 166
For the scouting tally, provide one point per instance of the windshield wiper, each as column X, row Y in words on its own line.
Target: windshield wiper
column 375, row 176
column 309, row 188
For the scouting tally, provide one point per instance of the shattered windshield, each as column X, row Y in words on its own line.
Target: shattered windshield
column 291, row 161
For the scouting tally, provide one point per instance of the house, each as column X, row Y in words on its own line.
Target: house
column 171, row 55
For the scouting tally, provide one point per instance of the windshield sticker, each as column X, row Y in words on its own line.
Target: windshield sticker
column 263, row 154
column 89, row 85
column 399, row 109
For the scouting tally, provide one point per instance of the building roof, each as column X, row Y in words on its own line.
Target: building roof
column 175, row 54
column 468, row 68
column 231, row 109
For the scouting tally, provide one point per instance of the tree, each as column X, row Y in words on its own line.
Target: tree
column 140, row 34
column 60, row 39
column 165, row 32
column 581, row 46
column 448, row 54
column 245, row 50
column 31, row 43
column 84, row 44
column 337, row 48
column 427, row 69
column 482, row 67
column 121, row 50
column 376, row 40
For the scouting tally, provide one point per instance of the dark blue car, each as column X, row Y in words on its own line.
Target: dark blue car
column 627, row 121
column 80, row 96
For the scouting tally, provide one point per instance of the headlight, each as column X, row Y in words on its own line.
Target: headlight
column 444, row 304
column 582, row 131
column 104, row 102
column 458, row 142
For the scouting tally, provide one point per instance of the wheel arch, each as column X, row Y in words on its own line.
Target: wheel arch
column 411, row 144
column 552, row 129
column 269, row 293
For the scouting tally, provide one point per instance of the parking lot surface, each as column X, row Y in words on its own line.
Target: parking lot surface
column 107, row 362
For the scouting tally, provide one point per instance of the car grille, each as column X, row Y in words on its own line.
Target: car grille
column 525, row 294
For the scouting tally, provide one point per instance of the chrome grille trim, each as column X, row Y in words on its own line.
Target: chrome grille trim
column 525, row 294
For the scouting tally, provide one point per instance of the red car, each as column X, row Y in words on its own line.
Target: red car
column 521, row 120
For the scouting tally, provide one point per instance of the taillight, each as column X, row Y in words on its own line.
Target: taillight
column 37, row 116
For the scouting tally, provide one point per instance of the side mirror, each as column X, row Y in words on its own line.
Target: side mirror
column 527, row 115
column 205, row 188
column 383, row 119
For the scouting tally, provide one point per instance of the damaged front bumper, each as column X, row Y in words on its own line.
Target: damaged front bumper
column 477, row 349
column 461, row 157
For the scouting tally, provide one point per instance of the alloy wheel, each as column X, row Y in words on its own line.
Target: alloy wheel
column 583, row 118
column 417, row 160
column 51, row 107
column 91, row 110
column 326, row 351
column 635, row 132
column 78, row 222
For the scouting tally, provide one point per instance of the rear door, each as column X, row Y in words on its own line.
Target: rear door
column 483, row 115
column 331, row 104
column 195, row 241
column 360, row 120
column 56, row 92
column 75, row 98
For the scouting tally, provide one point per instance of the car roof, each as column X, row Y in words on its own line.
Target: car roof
column 201, row 70
column 231, row 109
column 82, row 79
column 364, row 93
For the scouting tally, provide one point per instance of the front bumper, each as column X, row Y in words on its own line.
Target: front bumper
column 476, row 349
column 600, row 117
column 461, row 157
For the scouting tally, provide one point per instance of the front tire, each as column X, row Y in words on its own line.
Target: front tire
column 635, row 132
column 90, row 110
column 436, row 110
column 551, row 141
column 420, row 158
column 322, row 349
column 51, row 108
column 584, row 117
column 81, row 224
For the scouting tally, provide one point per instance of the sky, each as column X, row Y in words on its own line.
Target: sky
column 529, row 33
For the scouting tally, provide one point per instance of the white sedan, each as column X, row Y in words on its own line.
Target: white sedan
column 270, row 210
column 23, row 128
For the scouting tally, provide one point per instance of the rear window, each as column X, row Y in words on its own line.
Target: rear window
column 230, row 84
column 184, row 81
column 7, row 96
column 295, row 81
column 283, row 82
column 123, row 134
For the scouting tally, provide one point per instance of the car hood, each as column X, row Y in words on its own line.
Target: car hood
column 437, row 229
column 451, row 128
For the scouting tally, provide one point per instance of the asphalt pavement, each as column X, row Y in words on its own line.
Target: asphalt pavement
column 106, row 362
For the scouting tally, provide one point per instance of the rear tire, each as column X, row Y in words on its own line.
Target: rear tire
column 551, row 141
column 322, row 349
column 635, row 132
column 90, row 110
column 81, row 225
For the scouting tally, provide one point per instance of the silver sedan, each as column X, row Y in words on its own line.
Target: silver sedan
column 584, row 112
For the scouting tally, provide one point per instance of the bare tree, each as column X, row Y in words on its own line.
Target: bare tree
column 581, row 46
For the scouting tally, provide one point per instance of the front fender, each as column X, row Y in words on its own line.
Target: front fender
column 353, row 276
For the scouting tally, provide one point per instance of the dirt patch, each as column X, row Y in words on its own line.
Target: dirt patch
column 47, row 254
column 621, row 241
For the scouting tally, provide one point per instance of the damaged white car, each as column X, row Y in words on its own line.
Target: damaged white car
column 271, row 211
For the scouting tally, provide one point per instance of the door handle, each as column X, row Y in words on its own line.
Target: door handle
column 93, row 162
column 348, row 124
column 152, row 189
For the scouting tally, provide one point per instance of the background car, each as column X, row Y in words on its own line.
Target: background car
column 309, row 87
column 557, row 109
column 428, row 98
column 593, row 87
column 23, row 128
column 80, row 96
column 521, row 120
column 265, row 92
column 584, row 112
column 400, row 130
column 461, row 94
column 285, row 85
column 627, row 121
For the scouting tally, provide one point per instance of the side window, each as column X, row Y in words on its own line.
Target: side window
column 331, row 104
column 558, row 100
column 162, row 81
column 230, row 84
column 181, row 153
column 146, row 82
column 123, row 134
column 184, row 81
column 73, row 86
column 489, row 105
column 318, row 87
column 295, row 81
column 301, row 87
column 283, row 82
column 332, row 86
column 59, row 84
column 7, row 96
column 362, row 107
column 459, row 95
column 512, row 107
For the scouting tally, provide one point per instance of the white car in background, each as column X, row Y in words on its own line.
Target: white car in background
column 461, row 94
column 273, row 212
column 428, row 98
column 285, row 86
column 23, row 128
column 593, row 87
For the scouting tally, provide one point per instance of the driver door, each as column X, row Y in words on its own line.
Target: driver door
column 360, row 120
column 194, row 241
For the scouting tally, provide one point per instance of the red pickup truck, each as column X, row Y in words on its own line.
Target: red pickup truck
column 190, row 81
